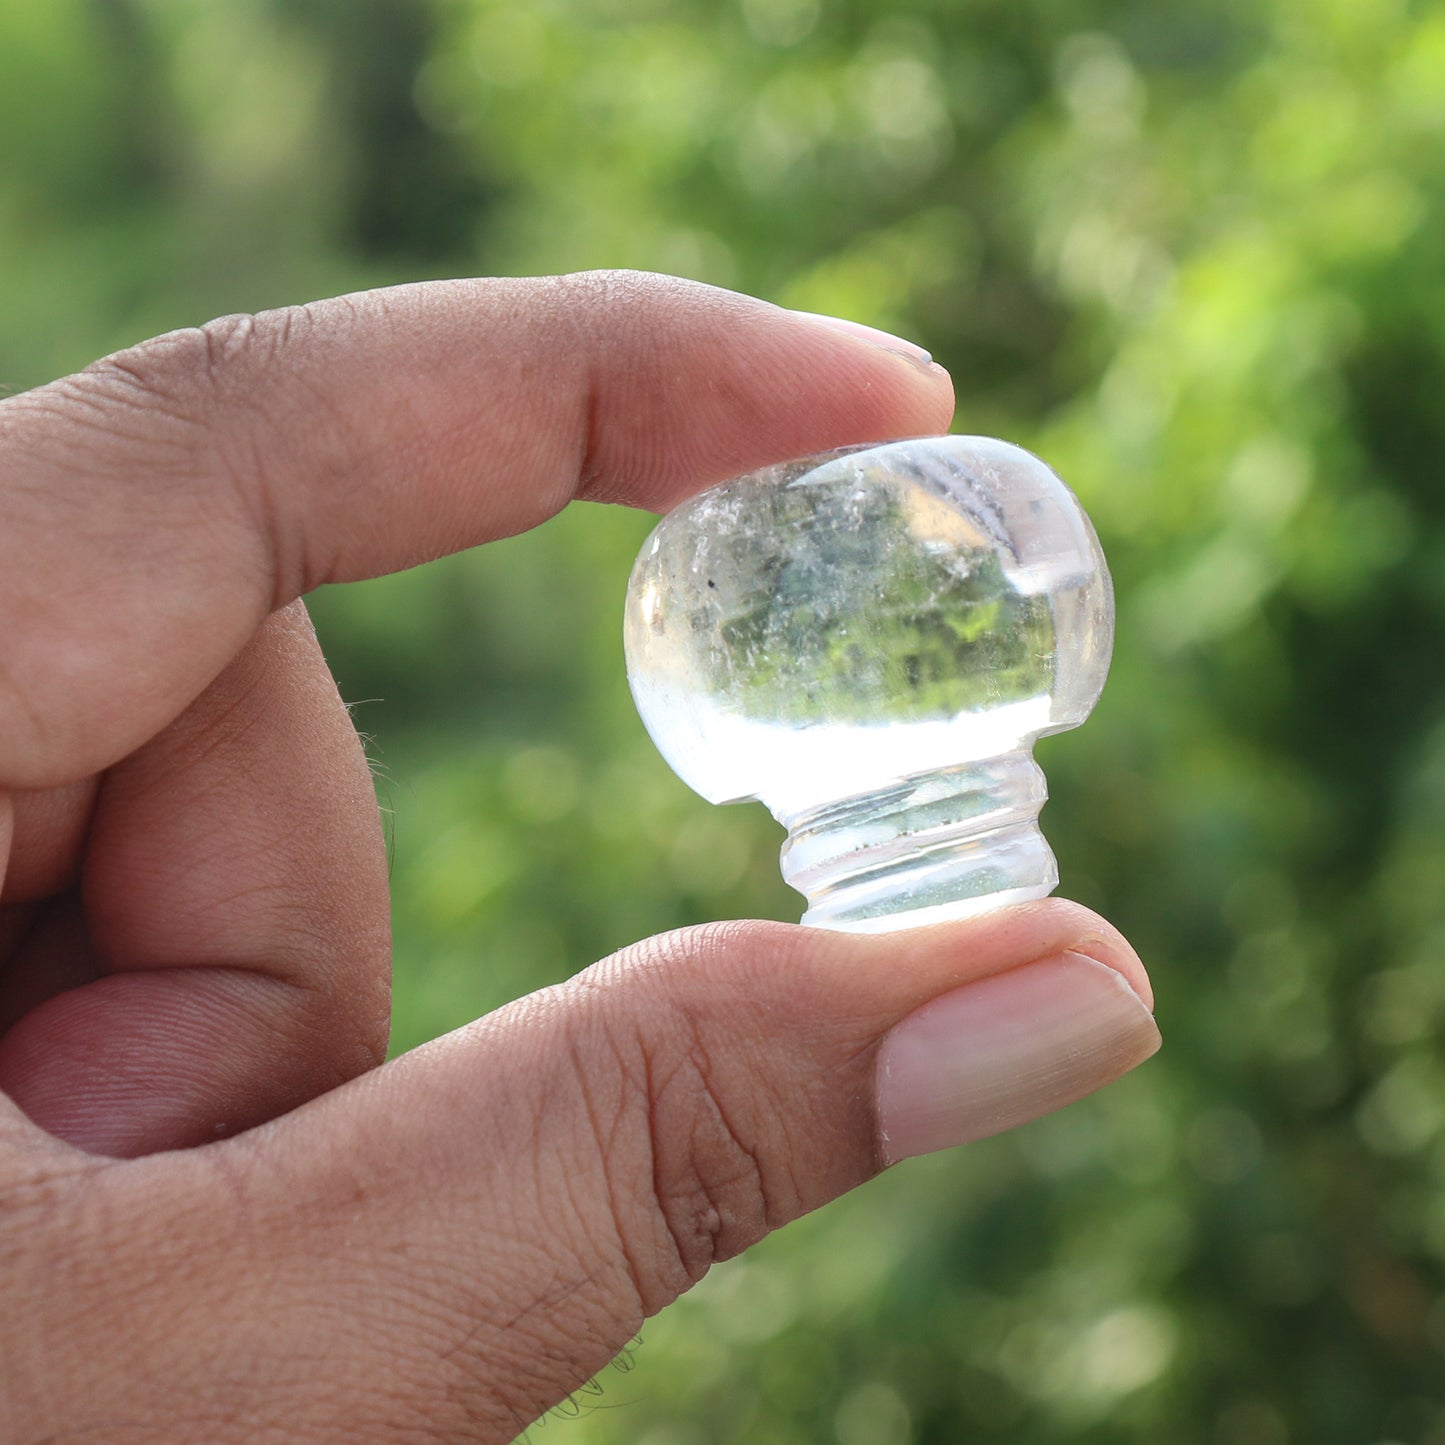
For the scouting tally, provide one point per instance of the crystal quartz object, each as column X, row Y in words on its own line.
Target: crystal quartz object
column 870, row 641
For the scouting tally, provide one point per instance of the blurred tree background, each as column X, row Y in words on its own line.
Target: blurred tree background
column 1191, row 253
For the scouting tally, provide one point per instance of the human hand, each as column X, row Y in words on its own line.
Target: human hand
column 218, row 1220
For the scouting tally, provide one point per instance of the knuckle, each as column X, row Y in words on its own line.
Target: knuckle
column 189, row 373
column 231, row 341
column 178, row 374
column 220, row 401
column 629, row 298
column 718, row 1180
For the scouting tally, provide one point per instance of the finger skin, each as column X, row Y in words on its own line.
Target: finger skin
column 159, row 505
column 235, row 921
column 51, row 825
column 446, row 1247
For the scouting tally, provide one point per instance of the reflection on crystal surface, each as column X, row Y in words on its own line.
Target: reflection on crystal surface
column 825, row 629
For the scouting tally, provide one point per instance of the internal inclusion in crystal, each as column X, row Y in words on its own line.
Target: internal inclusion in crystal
column 848, row 637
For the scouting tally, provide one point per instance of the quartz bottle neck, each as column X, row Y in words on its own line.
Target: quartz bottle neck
column 926, row 848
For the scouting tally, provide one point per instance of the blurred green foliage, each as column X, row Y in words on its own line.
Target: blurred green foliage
column 1192, row 254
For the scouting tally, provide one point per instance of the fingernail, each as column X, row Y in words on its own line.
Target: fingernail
column 908, row 350
column 1005, row 1050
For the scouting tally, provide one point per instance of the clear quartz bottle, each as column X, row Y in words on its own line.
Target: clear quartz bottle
column 870, row 641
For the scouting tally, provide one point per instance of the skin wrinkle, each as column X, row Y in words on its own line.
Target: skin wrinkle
column 129, row 383
column 690, row 1231
column 589, row 427
column 251, row 345
column 570, row 1284
column 297, row 944
column 684, row 1240
column 283, row 548
column 300, row 559
column 487, row 1347
column 300, row 946
column 547, row 1367
column 581, row 438
column 83, row 502
column 231, row 1251
column 723, row 1239
column 604, row 1144
column 750, row 1161
column 699, row 1237
column 239, row 347
column 589, row 430
column 226, row 335
column 47, row 1232
column 45, row 1190
column 243, row 716
column 654, row 1160
column 171, row 378
column 459, row 1365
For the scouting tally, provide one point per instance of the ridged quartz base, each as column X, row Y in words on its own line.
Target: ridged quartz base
column 932, row 847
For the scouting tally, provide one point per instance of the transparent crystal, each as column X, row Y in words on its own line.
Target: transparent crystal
column 870, row 641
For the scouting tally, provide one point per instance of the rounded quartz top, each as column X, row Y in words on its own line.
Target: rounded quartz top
column 820, row 628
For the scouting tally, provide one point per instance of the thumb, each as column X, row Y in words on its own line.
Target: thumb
column 574, row 1162
column 477, row 1228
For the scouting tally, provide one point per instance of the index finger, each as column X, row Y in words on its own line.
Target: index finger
column 163, row 502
